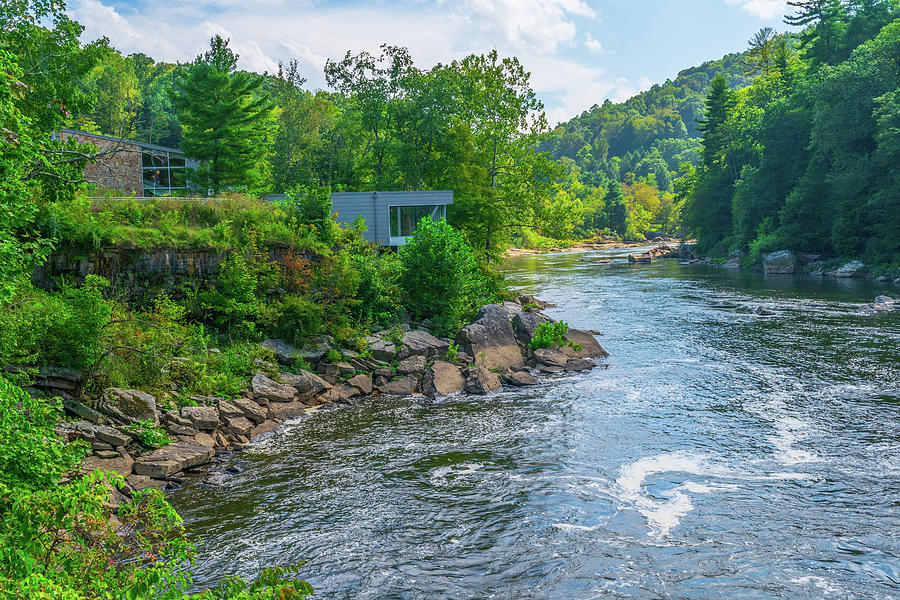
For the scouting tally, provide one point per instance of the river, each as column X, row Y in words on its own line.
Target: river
column 717, row 454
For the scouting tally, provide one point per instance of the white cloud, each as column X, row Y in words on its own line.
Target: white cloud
column 764, row 9
column 593, row 45
column 542, row 33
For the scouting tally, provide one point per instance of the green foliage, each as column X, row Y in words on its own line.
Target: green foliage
column 311, row 206
column 803, row 158
column 333, row 356
column 440, row 277
column 452, row 352
column 292, row 318
column 549, row 335
column 32, row 455
column 149, row 434
column 225, row 116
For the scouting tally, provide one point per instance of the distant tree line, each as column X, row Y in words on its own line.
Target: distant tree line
column 806, row 157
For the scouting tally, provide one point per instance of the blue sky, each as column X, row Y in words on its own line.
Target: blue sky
column 579, row 52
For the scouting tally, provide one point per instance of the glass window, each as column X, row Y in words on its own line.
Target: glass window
column 153, row 158
column 404, row 219
column 395, row 221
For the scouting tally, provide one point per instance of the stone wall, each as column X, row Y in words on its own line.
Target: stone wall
column 134, row 269
column 121, row 169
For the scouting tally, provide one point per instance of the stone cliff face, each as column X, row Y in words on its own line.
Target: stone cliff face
column 135, row 268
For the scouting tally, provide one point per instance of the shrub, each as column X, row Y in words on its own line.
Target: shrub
column 310, row 205
column 440, row 277
column 333, row 356
column 32, row 456
column 149, row 434
column 293, row 318
column 549, row 335
column 378, row 293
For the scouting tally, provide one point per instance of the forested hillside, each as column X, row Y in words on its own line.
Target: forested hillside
column 806, row 158
column 652, row 132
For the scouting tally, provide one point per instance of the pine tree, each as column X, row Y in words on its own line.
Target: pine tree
column 225, row 116
column 614, row 208
column 824, row 21
column 720, row 102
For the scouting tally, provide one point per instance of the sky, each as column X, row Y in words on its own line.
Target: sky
column 579, row 52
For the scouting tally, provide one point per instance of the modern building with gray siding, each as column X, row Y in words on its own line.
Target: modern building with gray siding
column 390, row 216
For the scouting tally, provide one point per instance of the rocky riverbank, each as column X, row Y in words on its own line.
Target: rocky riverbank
column 492, row 352
column 587, row 246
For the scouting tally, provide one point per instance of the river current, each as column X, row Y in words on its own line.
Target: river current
column 716, row 454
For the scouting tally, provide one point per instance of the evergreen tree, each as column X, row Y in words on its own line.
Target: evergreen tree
column 825, row 21
column 720, row 101
column 615, row 210
column 225, row 116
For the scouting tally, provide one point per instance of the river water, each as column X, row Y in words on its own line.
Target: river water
column 718, row 454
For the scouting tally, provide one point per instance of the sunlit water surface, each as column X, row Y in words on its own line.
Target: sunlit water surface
column 720, row 454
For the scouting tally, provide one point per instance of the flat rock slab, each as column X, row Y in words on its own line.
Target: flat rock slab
column 102, row 433
column 520, row 379
column 590, row 347
column 251, row 409
column 400, row 387
column 171, row 459
column 202, row 417
column 266, row 390
column 551, row 357
column 130, row 406
column 286, row 410
column 361, row 382
column 422, row 343
column 121, row 464
column 305, row 383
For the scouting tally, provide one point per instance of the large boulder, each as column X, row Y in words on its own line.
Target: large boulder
column 129, row 406
column 251, row 409
column 421, row 343
column 481, row 381
column 400, row 387
column 202, row 417
column 238, row 425
column 550, row 357
column 442, row 379
column 490, row 340
column 285, row 410
column 780, row 262
column 589, row 347
column 852, row 269
column 413, row 364
column 734, row 259
column 101, row 433
column 579, row 364
column 519, row 379
column 644, row 258
column 308, row 385
column 361, row 382
column 381, row 349
column 884, row 300
column 525, row 323
column 285, row 353
column 266, row 390
column 171, row 459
